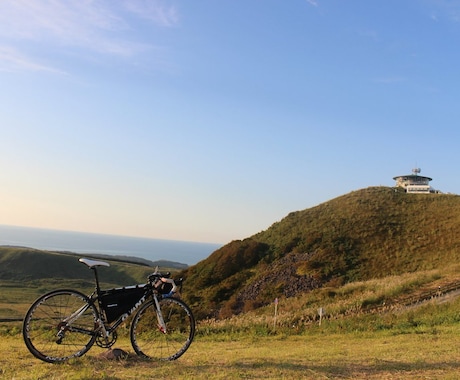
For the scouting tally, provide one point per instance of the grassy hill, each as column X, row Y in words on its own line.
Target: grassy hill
column 369, row 233
column 26, row 273
column 373, row 233
column 30, row 265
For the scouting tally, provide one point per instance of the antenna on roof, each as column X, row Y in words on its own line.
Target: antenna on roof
column 416, row 171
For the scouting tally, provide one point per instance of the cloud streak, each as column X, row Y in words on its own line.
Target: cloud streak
column 444, row 9
column 160, row 14
column 12, row 60
column 97, row 26
column 312, row 2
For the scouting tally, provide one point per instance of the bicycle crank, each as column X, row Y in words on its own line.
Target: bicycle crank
column 106, row 341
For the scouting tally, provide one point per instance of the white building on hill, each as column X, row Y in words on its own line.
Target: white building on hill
column 415, row 183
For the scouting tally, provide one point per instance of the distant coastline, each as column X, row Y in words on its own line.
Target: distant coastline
column 91, row 243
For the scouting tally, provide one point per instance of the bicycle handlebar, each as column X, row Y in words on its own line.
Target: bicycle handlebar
column 158, row 278
column 169, row 281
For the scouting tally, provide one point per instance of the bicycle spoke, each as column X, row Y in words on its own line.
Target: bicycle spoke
column 49, row 337
column 149, row 339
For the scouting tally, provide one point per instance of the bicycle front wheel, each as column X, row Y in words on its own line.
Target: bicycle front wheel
column 148, row 338
column 60, row 325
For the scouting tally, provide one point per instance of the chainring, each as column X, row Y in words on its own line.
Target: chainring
column 107, row 342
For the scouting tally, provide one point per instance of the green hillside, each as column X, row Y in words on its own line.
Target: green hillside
column 27, row 273
column 34, row 266
column 369, row 233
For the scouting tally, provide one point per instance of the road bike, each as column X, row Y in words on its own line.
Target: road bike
column 65, row 323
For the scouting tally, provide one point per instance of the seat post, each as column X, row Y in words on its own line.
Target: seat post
column 97, row 279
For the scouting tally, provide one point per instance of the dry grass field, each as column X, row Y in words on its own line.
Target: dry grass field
column 421, row 354
column 399, row 341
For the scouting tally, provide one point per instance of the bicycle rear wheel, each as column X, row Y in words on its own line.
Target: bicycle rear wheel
column 148, row 339
column 60, row 325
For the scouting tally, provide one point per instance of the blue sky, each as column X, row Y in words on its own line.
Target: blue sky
column 210, row 120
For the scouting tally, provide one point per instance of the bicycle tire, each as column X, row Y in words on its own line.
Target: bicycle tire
column 45, row 319
column 149, row 341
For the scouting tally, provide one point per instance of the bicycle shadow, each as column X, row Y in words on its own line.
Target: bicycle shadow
column 350, row 370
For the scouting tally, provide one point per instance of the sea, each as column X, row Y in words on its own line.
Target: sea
column 184, row 252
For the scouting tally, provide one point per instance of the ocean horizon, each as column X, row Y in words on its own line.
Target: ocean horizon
column 184, row 252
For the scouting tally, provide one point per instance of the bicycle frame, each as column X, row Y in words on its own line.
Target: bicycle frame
column 108, row 329
column 112, row 327
column 96, row 299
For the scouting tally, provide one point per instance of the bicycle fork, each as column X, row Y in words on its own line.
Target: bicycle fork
column 160, row 319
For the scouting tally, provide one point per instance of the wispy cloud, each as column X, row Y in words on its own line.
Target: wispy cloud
column 102, row 26
column 161, row 14
column 434, row 17
column 445, row 9
column 312, row 2
column 12, row 60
